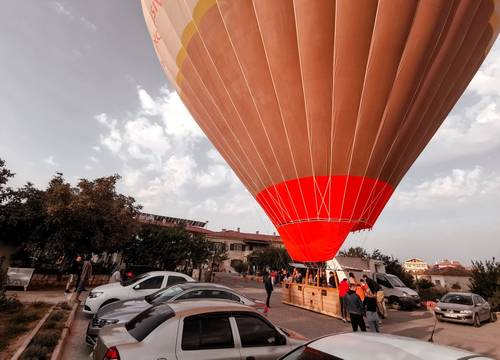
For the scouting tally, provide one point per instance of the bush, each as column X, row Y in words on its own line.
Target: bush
column 240, row 266
column 35, row 352
column 65, row 306
column 427, row 291
column 485, row 281
column 57, row 316
column 47, row 338
column 25, row 317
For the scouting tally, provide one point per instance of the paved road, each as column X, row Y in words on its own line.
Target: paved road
column 417, row 324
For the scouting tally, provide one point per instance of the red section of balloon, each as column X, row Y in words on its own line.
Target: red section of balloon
column 314, row 215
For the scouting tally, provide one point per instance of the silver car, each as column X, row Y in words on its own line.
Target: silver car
column 195, row 330
column 122, row 311
column 465, row 308
column 376, row 346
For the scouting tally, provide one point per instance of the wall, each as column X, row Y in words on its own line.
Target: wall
column 43, row 281
column 448, row 281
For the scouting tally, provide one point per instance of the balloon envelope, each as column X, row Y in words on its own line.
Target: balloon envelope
column 320, row 107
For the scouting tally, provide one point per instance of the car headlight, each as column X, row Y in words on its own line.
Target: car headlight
column 94, row 294
column 405, row 294
column 437, row 308
column 104, row 322
column 465, row 311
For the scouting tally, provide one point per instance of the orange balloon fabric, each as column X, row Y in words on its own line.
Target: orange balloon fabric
column 320, row 107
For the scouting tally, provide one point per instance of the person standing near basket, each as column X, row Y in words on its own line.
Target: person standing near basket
column 268, row 285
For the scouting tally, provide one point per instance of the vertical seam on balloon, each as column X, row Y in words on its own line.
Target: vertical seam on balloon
column 281, row 114
column 370, row 53
column 260, row 118
column 384, row 116
column 333, row 126
column 229, row 96
column 306, row 111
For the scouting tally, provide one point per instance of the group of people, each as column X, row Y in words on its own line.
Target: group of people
column 80, row 272
column 362, row 299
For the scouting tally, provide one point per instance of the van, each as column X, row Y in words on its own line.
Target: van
column 396, row 293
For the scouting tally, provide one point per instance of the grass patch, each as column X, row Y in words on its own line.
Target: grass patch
column 44, row 342
column 19, row 321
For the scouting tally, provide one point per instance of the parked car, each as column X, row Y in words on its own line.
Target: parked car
column 467, row 308
column 196, row 329
column 396, row 293
column 379, row 346
column 140, row 286
column 123, row 311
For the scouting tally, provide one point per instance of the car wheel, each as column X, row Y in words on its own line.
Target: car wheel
column 477, row 321
column 395, row 304
column 107, row 302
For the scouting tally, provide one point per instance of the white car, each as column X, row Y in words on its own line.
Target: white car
column 196, row 330
column 137, row 287
column 376, row 346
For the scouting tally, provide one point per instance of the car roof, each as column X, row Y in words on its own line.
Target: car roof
column 192, row 285
column 200, row 306
column 460, row 293
column 357, row 345
column 167, row 273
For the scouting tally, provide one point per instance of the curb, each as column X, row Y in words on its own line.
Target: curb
column 58, row 351
column 32, row 334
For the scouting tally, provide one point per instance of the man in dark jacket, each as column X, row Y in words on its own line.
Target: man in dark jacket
column 376, row 289
column 355, row 308
column 268, row 284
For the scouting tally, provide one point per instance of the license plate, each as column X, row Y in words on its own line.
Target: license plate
column 451, row 315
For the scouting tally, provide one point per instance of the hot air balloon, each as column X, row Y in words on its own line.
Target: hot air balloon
column 320, row 106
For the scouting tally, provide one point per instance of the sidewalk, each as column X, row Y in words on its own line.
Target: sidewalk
column 48, row 296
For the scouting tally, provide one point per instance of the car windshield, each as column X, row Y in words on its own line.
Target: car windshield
column 457, row 299
column 133, row 280
column 164, row 294
column 395, row 281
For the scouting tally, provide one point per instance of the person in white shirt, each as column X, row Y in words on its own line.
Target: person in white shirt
column 116, row 276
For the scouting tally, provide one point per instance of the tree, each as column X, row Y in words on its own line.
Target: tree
column 167, row 247
column 270, row 257
column 355, row 252
column 427, row 291
column 393, row 266
column 485, row 281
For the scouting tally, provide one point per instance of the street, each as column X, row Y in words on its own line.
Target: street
column 417, row 324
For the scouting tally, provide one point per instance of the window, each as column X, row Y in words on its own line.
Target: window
column 462, row 299
column 142, row 325
column 478, row 300
column 172, row 280
column 257, row 332
column 437, row 282
column 151, row 283
column 382, row 280
column 213, row 294
column 207, row 332
column 236, row 247
column 164, row 295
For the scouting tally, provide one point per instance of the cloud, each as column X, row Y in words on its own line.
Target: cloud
column 459, row 186
column 473, row 127
column 61, row 10
column 214, row 176
column 50, row 161
column 94, row 159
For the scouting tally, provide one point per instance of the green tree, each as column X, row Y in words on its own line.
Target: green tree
column 167, row 248
column 354, row 252
column 485, row 281
column 272, row 257
column 394, row 267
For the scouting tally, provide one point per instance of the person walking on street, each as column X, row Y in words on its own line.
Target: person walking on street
column 370, row 304
column 75, row 271
column 85, row 276
column 268, row 285
column 343, row 289
column 352, row 279
column 377, row 290
column 355, row 308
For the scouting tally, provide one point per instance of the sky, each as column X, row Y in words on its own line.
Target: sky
column 82, row 93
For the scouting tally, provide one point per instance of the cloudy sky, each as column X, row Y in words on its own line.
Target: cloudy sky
column 81, row 92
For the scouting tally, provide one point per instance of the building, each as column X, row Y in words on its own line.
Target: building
column 415, row 265
column 444, row 264
column 449, row 278
column 239, row 245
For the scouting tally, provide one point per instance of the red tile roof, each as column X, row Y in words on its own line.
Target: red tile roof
column 231, row 234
